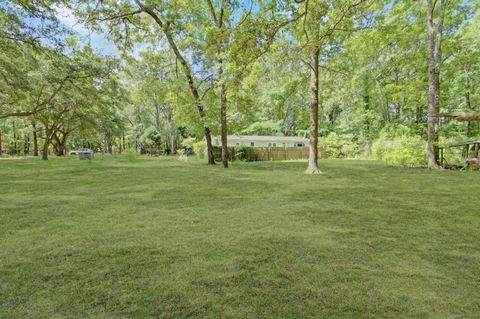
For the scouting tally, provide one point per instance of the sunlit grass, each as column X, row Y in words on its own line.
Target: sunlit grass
column 156, row 237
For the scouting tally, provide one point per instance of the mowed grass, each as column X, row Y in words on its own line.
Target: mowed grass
column 157, row 237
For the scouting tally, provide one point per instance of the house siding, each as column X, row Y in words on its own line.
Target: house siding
column 263, row 141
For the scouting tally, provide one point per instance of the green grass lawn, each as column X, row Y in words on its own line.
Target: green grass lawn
column 157, row 237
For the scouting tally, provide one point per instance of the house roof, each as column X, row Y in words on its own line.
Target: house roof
column 248, row 138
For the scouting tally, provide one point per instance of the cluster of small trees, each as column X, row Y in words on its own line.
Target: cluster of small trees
column 52, row 91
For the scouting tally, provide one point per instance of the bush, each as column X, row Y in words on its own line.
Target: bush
column 380, row 148
column 182, row 155
column 130, row 154
column 338, row 146
column 401, row 151
column 188, row 142
column 199, row 149
column 246, row 153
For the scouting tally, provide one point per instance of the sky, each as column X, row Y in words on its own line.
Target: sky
column 98, row 41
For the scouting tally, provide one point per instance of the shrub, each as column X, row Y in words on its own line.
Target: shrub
column 182, row 155
column 188, row 142
column 401, row 151
column 199, row 149
column 338, row 146
column 380, row 147
column 246, row 153
column 130, row 154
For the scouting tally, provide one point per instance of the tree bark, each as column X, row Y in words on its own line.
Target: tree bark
column 170, row 131
column 313, row 152
column 157, row 124
column 45, row 147
column 45, row 150
column 63, row 145
column 56, row 145
column 157, row 118
column 223, row 122
column 60, row 143
column 434, row 62
column 419, row 114
column 49, row 134
column 469, row 126
column 218, row 20
column 208, row 139
column 14, row 137
column 26, row 146
column 1, row 150
column 35, row 139
column 109, row 145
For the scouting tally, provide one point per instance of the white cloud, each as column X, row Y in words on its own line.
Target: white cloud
column 68, row 18
column 99, row 41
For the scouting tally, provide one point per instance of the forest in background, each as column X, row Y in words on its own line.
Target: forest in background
column 376, row 74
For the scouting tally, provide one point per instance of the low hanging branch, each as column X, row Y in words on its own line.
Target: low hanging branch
column 40, row 106
column 463, row 116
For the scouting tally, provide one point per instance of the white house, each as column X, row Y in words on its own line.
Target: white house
column 262, row 141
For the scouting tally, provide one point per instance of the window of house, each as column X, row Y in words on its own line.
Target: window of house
column 274, row 144
column 300, row 144
column 252, row 144
column 269, row 144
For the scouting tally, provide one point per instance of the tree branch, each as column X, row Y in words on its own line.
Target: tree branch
column 121, row 16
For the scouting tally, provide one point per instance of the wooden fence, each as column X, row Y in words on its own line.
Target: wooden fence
column 282, row 153
column 268, row 153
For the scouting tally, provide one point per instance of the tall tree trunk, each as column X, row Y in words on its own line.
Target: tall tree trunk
column 313, row 154
column 57, row 145
column 157, row 118
column 218, row 20
column 109, row 145
column 138, row 121
column 434, row 63
column 419, row 114
column 367, row 105
column 45, row 145
column 208, row 139
column 45, row 150
column 35, row 139
column 61, row 148
column 49, row 135
column 1, row 149
column 120, row 146
column 469, row 125
column 223, row 121
column 14, row 137
column 26, row 146
column 170, row 131
column 63, row 145
column 157, row 124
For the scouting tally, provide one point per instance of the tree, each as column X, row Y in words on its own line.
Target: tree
column 167, row 17
column 218, row 20
column 434, row 59
column 159, row 98
column 322, row 20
